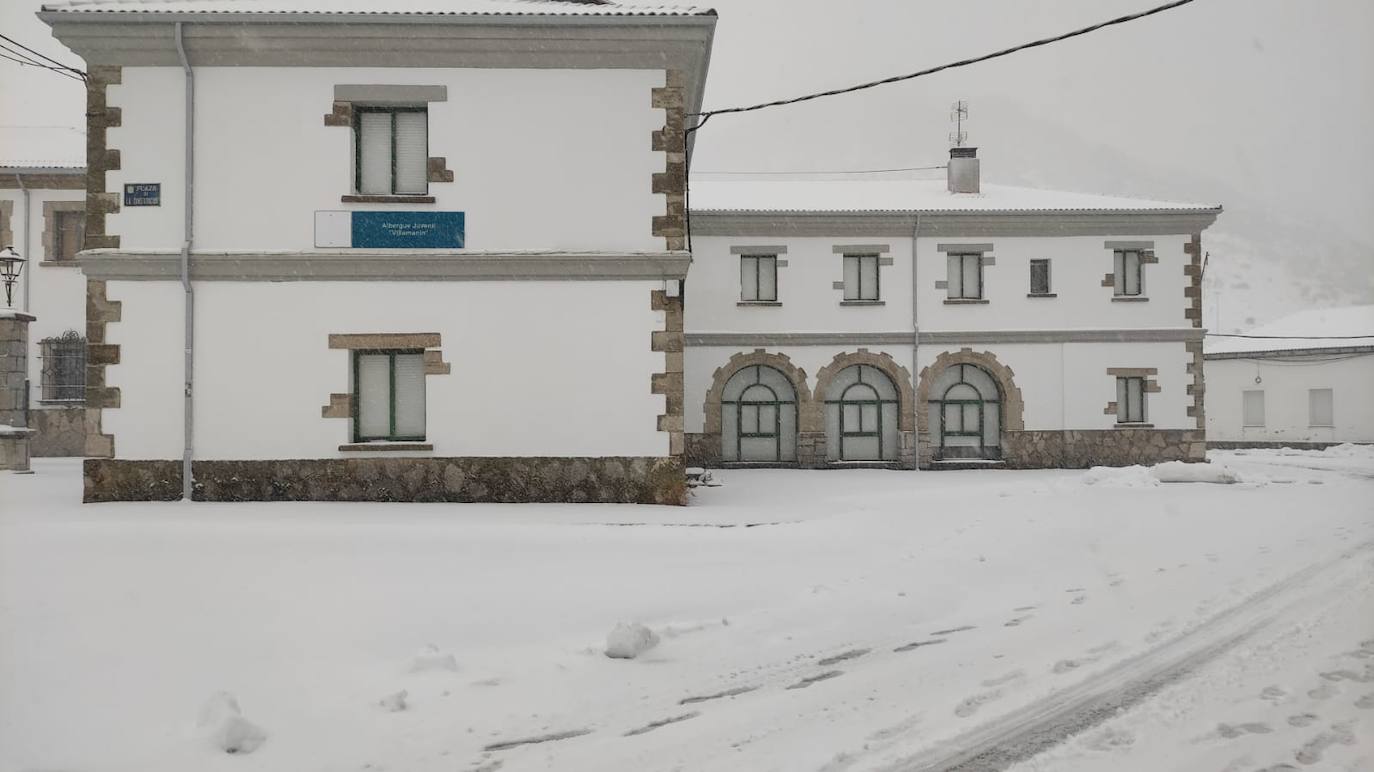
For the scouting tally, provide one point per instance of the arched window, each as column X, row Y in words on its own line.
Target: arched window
column 965, row 413
column 861, row 415
column 758, row 417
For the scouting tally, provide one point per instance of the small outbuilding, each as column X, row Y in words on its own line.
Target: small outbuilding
column 1306, row 380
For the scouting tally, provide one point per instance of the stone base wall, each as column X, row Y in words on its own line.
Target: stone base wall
column 1296, row 445
column 703, row 449
column 14, row 450
column 1079, row 449
column 61, row 432
column 624, row 480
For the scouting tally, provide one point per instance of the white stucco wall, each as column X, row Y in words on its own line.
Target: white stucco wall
column 542, row 159
column 56, row 293
column 1285, row 383
column 538, row 368
column 811, row 304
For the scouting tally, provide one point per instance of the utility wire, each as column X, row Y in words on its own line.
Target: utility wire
column 43, row 56
column 24, row 63
column 962, row 63
column 27, row 61
column 840, row 171
column 1288, row 337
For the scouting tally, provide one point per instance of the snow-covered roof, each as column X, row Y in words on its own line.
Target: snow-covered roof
column 49, row 148
column 45, row 167
column 755, row 195
column 1335, row 323
column 378, row 7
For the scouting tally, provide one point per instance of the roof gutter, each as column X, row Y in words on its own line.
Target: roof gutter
column 188, row 230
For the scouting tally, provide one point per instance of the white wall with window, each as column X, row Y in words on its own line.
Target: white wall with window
column 586, row 184
column 538, row 368
column 1302, row 397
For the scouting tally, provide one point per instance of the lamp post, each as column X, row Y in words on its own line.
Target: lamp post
column 11, row 265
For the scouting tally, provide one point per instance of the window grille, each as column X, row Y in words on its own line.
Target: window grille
column 64, row 368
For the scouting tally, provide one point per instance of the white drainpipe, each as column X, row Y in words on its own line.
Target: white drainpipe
column 28, row 226
column 188, row 420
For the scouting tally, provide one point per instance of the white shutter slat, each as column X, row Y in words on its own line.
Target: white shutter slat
column 410, row 395
column 973, row 275
column 768, row 278
column 374, row 396
column 412, row 152
column 851, row 278
column 954, row 276
column 870, row 277
column 748, row 279
column 374, row 137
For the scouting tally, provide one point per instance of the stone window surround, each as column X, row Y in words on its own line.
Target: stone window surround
column 388, row 95
column 848, row 250
column 341, row 404
column 984, row 260
column 50, row 216
column 1151, row 386
column 6, row 218
column 1147, row 257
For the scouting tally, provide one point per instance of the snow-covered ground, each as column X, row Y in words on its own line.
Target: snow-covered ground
column 848, row 620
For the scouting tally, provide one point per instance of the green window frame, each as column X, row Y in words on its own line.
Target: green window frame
column 1130, row 400
column 857, row 266
column 392, row 435
column 758, row 273
column 965, row 275
column 393, row 111
column 1129, row 273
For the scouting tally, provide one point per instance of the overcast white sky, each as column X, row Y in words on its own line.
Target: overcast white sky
column 1264, row 99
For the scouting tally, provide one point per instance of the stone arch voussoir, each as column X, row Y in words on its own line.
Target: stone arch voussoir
column 780, row 362
column 901, row 377
column 1013, row 407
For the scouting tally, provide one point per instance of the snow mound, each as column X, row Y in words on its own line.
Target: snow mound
column 432, row 658
column 1180, row 472
column 222, row 723
column 1350, row 450
column 395, row 702
column 628, row 641
column 1120, row 477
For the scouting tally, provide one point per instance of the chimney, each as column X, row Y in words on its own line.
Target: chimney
column 963, row 170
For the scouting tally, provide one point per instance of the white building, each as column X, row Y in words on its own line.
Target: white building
column 1305, row 380
column 42, row 215
column 433, row 248
column 905, row 324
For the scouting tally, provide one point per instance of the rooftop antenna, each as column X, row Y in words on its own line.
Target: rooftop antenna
column 958, row 113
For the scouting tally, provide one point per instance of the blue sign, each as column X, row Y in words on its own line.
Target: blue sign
column 407, row 230
column 143, row 194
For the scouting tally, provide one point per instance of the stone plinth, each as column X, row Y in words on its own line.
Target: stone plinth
column 14, row 393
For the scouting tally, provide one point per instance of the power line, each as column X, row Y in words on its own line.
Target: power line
column 1288, row 337
column 962, row 63
column 18, row 58
column 43, row 56
column 838, row 171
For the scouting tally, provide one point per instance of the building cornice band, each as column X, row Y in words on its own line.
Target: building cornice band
column 952, row 224
column 372, row 266
column 953, row 337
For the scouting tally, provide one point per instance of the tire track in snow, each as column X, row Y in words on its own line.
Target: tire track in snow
column 1023, row 734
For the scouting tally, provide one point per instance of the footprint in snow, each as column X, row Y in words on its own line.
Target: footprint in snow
column 1015, row 675
column 1272, row 694
column 1324, row 692
column 1016, row 621
column 970, row 705
column 954, row 630
column 918, row 644
column 1078, row 600
column 1024, row 608
column 652, row 725
column 1366, row 702
column 809, row 680
column 1232, row 731
column 1303, row 719
column 1109, row 739
column 1312, row 751
column 841, row 657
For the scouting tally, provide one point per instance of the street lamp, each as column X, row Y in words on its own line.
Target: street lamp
column 11, row 265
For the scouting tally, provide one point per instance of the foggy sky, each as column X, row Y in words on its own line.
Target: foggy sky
column 1270, row 99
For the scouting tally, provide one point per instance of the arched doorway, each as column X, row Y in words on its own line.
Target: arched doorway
column 758, row 417
column 861, row 415
column 966, row 414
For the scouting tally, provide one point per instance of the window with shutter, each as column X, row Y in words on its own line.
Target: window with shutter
column 1130, row 400
column 1127, row 280
column 965, row 276
column 861, row 277
column 392, row 150
column 1252, row 408
column 389, row 396
column 69, row 235
column 758, row 278
column 1320, row 407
